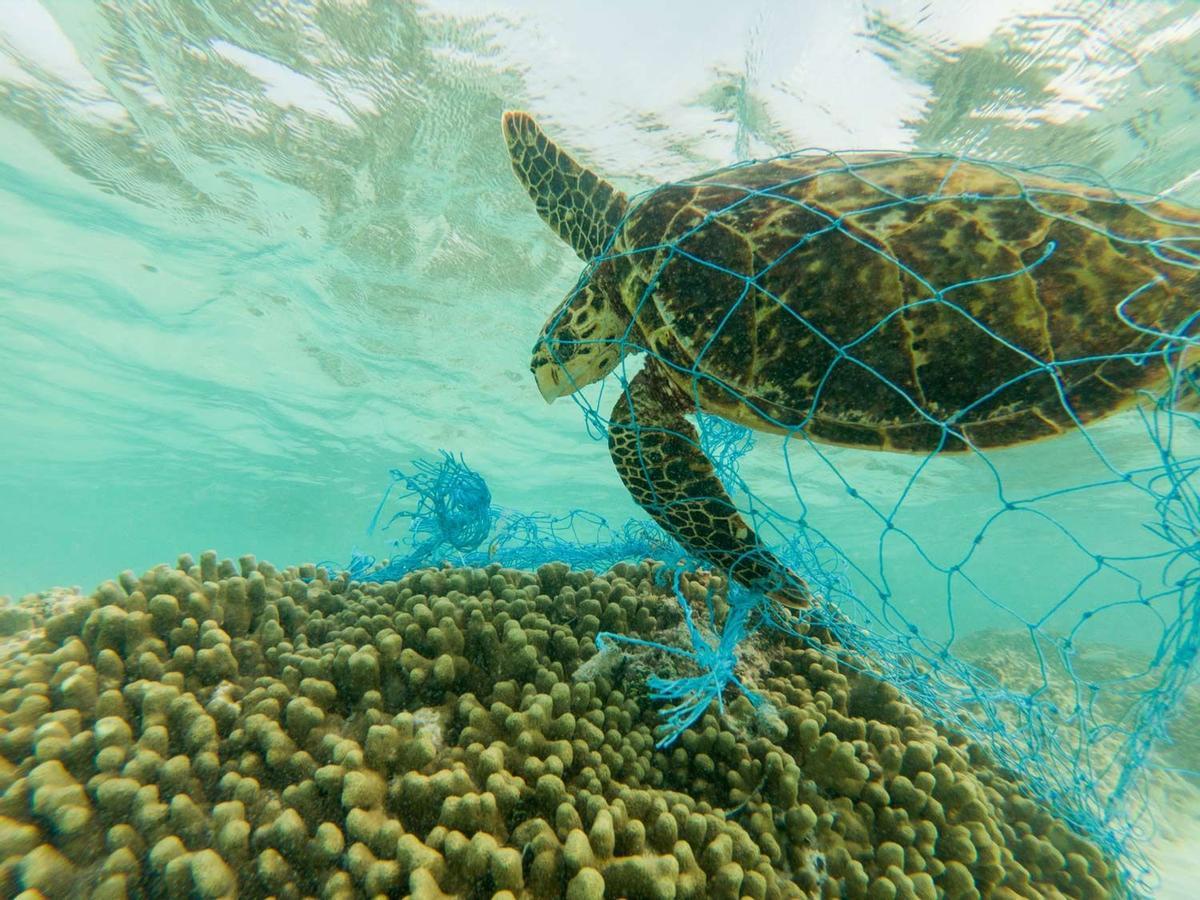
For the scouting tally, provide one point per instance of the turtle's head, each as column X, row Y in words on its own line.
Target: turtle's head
column 585, row 337
column 583, row 340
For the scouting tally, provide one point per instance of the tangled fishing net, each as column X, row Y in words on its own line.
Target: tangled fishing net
column 451, row 518
column 1086, row 550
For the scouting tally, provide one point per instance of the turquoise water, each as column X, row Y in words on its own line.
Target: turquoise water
column 254, row 255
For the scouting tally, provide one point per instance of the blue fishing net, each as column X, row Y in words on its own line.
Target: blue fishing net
column 1082, row 737
column 450, row 518
column 1089, row 547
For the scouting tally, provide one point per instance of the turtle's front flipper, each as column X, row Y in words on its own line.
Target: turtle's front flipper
column 657, row 453
column 582, row 208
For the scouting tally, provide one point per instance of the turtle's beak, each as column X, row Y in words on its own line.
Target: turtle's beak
column 551, row 381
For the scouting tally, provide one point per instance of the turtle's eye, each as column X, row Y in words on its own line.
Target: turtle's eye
column 564, row 344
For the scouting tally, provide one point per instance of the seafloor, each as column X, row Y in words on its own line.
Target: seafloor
column 220, row 730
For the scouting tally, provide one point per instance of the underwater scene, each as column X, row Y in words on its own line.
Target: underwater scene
column 643, row 449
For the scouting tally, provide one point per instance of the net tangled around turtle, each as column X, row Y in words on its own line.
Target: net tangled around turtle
column 1106, row 516
column 1040, row 599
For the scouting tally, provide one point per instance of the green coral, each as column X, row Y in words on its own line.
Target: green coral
column 216, row 729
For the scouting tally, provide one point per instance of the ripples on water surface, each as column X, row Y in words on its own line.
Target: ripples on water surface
column 252, row 255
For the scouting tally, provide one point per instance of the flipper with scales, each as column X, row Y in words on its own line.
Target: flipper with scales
column 657, row 454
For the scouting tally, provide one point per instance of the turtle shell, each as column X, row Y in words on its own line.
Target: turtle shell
column 908, row 301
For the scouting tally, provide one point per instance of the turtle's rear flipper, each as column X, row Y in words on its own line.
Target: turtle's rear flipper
column 657, row 454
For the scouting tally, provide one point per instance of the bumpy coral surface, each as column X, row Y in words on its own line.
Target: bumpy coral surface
column 210, row 731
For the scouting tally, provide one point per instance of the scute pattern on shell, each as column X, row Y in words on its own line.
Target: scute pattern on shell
column 866, row 299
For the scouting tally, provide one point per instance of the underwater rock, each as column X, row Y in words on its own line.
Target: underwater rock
column 214, row 730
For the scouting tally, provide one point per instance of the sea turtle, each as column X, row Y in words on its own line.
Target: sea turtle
column 897, row 301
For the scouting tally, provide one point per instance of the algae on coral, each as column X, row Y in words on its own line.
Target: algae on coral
column 213, row 729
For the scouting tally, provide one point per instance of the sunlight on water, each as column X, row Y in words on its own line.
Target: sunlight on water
column 256, row 255
column 253, row 255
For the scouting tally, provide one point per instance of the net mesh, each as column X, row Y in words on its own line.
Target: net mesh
column 1069, row 548
column 450, row 517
